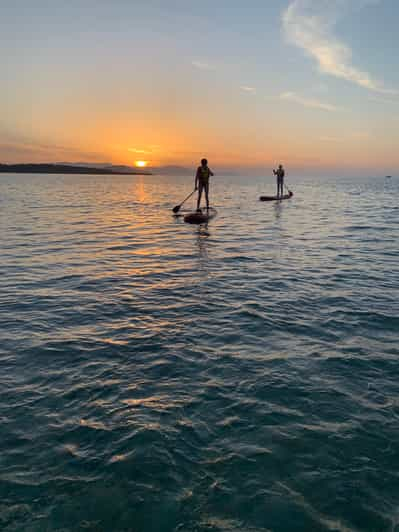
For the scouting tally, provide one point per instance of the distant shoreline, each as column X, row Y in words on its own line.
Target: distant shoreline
column 31, row 168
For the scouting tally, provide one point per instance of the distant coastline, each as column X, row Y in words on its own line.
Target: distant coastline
column 48, row 168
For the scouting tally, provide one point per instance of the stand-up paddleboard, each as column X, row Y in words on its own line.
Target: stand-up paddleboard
column 200, row 217
column 276, row 198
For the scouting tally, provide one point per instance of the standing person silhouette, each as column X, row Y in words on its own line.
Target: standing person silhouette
column 202, row 182
column 280, row 173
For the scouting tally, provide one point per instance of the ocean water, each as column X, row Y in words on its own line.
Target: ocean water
column 162, row 377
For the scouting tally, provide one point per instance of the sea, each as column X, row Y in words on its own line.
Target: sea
column 157, row 376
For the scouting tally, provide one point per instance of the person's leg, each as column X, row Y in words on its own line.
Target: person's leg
column 207, row 195
column 278, row 188
column 200, row 186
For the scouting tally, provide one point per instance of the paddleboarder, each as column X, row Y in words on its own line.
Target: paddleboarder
column 202, row 182
column 280, row 173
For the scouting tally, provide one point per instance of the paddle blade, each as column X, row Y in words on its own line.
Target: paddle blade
column 177, row 208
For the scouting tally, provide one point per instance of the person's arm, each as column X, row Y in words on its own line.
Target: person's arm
column 211, row 173
column 196, row 179
column 274, row 172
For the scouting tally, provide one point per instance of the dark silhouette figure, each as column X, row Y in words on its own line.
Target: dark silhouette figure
column 56, row 168
column 280, row 173
column 202, row 182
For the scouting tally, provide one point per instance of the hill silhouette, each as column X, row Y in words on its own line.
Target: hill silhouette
column 50, row 168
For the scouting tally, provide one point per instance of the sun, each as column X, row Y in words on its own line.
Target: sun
column 141, row 164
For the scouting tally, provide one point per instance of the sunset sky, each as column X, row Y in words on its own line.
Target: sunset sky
column 311, row 83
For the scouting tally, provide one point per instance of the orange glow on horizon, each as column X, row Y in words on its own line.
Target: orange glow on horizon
column 141, row 164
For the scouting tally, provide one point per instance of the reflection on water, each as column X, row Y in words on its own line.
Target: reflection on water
column 278, row 208
column 205, row 371
column 202, row 237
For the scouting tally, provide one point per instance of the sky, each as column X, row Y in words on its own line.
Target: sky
column 313, row 84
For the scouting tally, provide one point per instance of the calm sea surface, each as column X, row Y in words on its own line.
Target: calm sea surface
column 159, row 377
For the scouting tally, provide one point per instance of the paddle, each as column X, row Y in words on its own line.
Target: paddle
column 288, row 190
column 178, row 207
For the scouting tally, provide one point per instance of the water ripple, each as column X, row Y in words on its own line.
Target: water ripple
column 164, row 377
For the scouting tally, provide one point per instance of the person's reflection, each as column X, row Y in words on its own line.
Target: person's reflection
column 278, row 209
column 202, row 238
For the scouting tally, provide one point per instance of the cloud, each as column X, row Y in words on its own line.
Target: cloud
column 250, row 90
column 346, row 137
column 309, row 25
column 135, row 150
column 23, row 149
column 308, row 102
column 202, row 65
column 379, row 99
column 331, row 139
column 361, row 135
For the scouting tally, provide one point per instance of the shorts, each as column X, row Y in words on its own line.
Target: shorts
column 203, row 184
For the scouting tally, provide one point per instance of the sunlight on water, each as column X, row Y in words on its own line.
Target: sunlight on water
column 159, row 376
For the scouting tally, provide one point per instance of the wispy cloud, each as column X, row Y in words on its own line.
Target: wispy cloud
column 308, row 102
column 202, row 65
column 22, row 149
column 379, row 99
column 361, row 135
column 309, row 25
column 326, row 138
column 135, row 150
column 346, row 137
column 249, row 90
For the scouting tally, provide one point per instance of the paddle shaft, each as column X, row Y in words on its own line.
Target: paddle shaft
column 177, row 208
